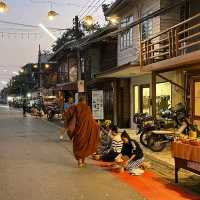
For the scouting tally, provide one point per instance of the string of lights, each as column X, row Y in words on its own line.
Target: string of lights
column 29, row 25
column 19, row 35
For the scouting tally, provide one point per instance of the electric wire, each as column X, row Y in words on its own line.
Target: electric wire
column 97, row 7
column 84, row 7
column 88, row 8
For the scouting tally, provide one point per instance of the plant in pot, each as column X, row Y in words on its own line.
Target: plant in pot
column 194, row 131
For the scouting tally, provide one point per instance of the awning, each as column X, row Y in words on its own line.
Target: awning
column 124, row 71
column 71, row 86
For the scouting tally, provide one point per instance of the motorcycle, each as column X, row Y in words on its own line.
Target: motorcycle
column 145, row 123
column 52, row 111
column 159, row 138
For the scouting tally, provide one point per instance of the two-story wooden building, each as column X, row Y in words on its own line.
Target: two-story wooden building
column 158, row 51
column 66, row 69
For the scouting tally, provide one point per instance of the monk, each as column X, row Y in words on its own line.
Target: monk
column 85, row 135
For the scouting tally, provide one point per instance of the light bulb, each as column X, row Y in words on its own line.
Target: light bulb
column 3, row 7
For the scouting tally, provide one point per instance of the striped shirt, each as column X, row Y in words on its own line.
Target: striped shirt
column 117, row 144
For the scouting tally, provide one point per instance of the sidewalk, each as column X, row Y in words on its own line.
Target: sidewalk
column 162, row 166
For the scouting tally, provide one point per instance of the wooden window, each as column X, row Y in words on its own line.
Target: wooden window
column 147, row 29
column 126, row 38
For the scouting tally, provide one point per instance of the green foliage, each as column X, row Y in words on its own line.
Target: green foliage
column 92, row 28
column 21, row 84
column 163, row 104
column 67, row 36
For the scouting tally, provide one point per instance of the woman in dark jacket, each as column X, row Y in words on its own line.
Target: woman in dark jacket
column 132, row 150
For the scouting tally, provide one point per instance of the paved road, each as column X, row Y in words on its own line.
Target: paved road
column 35, row 166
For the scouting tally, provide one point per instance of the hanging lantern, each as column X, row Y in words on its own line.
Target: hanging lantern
column 113, row 19
column 47, row 66
column 3, row 7
column 52, row 14
column 88, row 20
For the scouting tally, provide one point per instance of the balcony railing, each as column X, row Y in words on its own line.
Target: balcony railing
column 178, row 40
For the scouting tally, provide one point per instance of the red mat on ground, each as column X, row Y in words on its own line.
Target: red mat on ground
column 151, row 186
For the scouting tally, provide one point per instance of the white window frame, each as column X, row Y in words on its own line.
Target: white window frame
column 148, row 24
column 126, row 38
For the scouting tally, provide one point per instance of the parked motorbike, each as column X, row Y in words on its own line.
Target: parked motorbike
column 52, row 111
column 159, row 138
column 145, row 123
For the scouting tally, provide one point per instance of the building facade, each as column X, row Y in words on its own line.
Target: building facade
column 148, row 34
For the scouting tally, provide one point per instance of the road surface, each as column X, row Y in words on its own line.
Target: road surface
column 35, row 166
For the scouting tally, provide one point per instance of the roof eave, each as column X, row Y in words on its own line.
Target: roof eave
column 113, row 7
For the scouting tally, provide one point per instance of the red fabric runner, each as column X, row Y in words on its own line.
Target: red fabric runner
column 151, row 186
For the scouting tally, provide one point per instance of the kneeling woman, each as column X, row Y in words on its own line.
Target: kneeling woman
column 132, row 150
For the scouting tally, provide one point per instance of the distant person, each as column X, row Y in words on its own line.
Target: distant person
column 67, row 105
column 85, row 133
column 24, row 107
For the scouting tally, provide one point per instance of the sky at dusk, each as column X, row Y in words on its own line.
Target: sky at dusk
column 17, row 49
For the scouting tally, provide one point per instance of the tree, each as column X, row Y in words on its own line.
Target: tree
column 92, row 28
column 67, row 36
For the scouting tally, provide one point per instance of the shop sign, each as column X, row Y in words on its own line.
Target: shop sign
column 76, row 98
column 97, row 104
column 81, row 86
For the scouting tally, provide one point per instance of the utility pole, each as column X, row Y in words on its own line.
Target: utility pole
column 40, row 70
column 77, row 31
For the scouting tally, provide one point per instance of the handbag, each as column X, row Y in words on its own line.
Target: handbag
column 71, row 124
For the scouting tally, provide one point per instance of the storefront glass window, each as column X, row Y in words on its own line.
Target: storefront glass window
column 146, row 100
column 163, row 96
column 136, row 99
column 197, row 99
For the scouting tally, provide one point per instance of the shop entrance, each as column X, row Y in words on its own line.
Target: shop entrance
column 196, row 101
column 145, row 99
column 142, row 97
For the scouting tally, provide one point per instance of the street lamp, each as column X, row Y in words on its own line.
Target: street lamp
column 88, row 20
column 52, row 14
column 21, row 70
column 113, row 19
column 3, row 7
column 47, row 66
column 29, row 95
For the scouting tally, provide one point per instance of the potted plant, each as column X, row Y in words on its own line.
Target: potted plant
column 194, row 131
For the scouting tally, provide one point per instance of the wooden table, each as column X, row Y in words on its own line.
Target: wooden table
column 185, row 164
column 187, row 157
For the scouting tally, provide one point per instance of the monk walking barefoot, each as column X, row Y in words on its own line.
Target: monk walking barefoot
column 85, row 131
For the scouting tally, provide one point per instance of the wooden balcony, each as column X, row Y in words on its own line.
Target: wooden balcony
column 179, row 40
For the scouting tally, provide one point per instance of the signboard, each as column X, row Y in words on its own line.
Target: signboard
column 76, row 98
column 81, row 86
column 97, row 104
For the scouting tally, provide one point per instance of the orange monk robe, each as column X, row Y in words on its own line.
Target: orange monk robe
column 86, row 133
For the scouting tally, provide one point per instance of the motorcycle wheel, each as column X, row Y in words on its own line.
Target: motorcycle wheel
column 49, row 116
column 155, row 142
column 144, row 139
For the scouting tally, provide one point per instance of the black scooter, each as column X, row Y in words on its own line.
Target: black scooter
column 52, row 111
column 159, row 138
